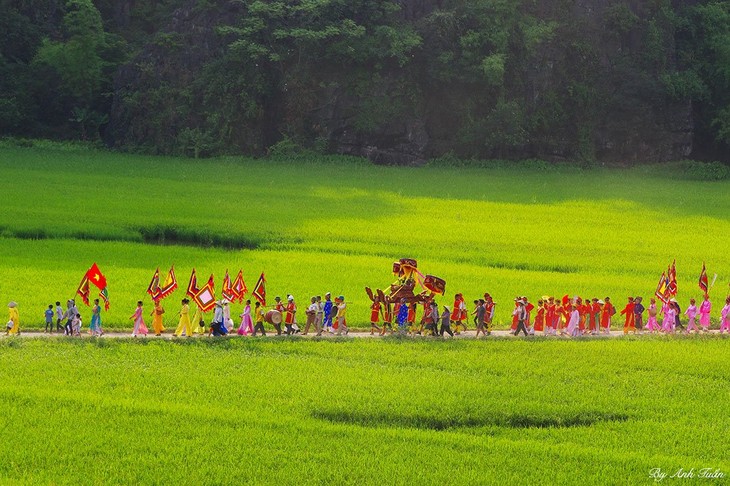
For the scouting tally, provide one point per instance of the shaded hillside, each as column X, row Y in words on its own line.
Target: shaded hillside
column 396, row 81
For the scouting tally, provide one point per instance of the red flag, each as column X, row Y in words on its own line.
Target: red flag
column 672, row 276
column 239, row 287
column 154, row 287
column 205, row 297
column 662, row 289
column 104, row 294
column 169, row 286
column 704, row 284
column 83, row 289
column 227, row 291
column 192, row 285
column 96, row 277
column 259, row 290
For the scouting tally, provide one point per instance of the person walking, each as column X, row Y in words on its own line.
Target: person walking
column 156, row 314
column 139, row 325
column 183, row 325
column 95, row 325
column 246, row 326
column 705, row 309
column 521, row 314
column 13, row 319
column 446, row 322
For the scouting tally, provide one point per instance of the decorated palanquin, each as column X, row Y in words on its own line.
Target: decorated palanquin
column 410, row 284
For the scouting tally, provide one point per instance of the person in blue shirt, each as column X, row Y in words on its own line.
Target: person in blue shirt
column 49, row 318
column 327, row 311
column 402, row 318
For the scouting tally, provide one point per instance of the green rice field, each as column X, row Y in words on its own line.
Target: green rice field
column 387, row 411
column 336, row 224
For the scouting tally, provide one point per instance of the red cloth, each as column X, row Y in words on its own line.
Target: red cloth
column 540, row 319
column 375, row 312
column 290, row 309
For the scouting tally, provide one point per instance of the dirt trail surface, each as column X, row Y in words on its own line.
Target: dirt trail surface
column 327, row 335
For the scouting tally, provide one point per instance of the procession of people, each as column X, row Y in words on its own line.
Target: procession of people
column 549, row 316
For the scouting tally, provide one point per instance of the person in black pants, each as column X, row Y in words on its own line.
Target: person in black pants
column 521, row 314
column 446, row 322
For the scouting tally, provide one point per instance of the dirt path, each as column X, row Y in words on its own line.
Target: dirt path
column 361, row 335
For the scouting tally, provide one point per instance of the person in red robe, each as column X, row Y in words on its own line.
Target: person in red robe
column 458, row 314
column 515, row 320
column 290, row 318
column 583, row 311
column 375, row 311
column 628, row 311
column 387, row 320
column 489, row 312
column 540, row 317
column 529, row 307
column 559, row 317
column 607, row 311
column 550, row 315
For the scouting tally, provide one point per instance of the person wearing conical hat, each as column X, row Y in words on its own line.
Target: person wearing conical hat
column 521, row 314
column 13, row 326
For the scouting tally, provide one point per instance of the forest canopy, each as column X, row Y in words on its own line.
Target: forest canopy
column 395, row 81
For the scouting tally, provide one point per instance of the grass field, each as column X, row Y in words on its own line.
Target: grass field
column 361, row 411
column 336, row 224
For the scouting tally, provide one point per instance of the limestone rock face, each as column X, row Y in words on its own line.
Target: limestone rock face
column 615, row 118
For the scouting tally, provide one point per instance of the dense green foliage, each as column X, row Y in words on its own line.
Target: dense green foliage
column 632, row 81
column 336, row 224
column 361, row 412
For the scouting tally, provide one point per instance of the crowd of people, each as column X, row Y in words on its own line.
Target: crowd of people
column 567, row 316
column 550, row 316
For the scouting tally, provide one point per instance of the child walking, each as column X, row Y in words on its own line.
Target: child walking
column 259, row 313
column 49, row 318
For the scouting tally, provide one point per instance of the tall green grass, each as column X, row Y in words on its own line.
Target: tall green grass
column 360, row 412
column 336, row 224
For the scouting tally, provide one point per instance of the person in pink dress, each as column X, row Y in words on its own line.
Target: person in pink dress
column 668, row 321
column 705, row 309
column 139, row 326
column 691, row 314
column 651, row 323
column 246, row 321
column 725, row 317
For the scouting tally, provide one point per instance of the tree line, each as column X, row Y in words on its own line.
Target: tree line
column 627, row 81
